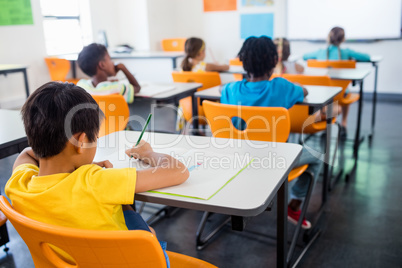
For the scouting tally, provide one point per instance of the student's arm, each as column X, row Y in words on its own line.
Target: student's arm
column 311, row 55
column 130, row 76
column 165, row 170
column 299, row 68
column 210, row 67
column 27, row 156
column 305, row 91
column 358, row 56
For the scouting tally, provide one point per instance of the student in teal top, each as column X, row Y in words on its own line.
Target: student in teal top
column 333, row 52
column 259, row 57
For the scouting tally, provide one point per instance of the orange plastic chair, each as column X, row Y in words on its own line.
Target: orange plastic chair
column 59, row 69
column 173, row 44
column 236, row 62
column 347, row 64
column 331, row 63
column 207, row 79
column 116, row 112
column 92, row 248
column 262, row 124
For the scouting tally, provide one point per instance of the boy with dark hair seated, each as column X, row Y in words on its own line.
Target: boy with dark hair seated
column 95, row 61
column 56, row 180
column 259, row 57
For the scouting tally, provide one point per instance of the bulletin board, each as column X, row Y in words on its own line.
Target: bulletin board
column 256, row 25
column 15, row 12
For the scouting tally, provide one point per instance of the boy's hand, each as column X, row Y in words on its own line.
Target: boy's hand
column 105, row 164
column 120, row 67
column 129, row 75
column 142, row 150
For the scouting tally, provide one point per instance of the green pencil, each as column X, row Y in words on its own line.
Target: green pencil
column 143, row 130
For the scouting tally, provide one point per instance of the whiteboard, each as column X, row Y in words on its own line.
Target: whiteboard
column 361, row 19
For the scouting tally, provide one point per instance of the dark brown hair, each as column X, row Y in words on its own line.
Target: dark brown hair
column 90, row 56
column 45, row 113
column 192, row 47
column 336, row 37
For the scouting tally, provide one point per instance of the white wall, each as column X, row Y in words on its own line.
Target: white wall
column 22, row 44
column 161, row 25
column 125, row 22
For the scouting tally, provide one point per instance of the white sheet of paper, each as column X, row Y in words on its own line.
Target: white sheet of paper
column 209, row 172
column 150, row 90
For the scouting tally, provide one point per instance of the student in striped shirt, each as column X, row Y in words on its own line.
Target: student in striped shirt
column 95, row 61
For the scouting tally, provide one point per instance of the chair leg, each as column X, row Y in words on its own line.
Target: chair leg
column 4, row 238
column 141, row 209
column 302, row 214
column 331, row 185
column 202, row 242
column 301, row 141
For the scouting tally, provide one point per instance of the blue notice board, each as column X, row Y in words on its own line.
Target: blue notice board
column 256, row 25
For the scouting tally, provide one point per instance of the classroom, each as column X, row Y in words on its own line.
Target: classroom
column 200, row 133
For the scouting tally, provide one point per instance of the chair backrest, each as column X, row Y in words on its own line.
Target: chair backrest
column 207, row 79
column 58, row 68
column 313, row 80
column 331, row 63
column 262, row 123
column 235, row 62
column 173, row 44
column 116, row 113
column 88, row 248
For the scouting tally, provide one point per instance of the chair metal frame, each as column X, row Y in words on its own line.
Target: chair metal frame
column 215, row 111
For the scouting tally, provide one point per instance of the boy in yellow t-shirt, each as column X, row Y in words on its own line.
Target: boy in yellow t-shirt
column 56, row 180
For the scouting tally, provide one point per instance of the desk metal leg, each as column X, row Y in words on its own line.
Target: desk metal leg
column 195, row 113
column 327, row 174
column 281, row 228
column 374, row 101
column 26, row 82
column 357, row 141
column 73, row 69
column 359, row 117
column 174, row 63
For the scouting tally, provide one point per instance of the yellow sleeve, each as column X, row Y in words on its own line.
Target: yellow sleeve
column 26, row 167
column 22, row 174
column 113, row 186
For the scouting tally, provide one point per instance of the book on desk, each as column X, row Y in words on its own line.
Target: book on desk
column 150, row 89
column 209, row 172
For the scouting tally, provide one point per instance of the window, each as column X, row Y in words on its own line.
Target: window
column 66, row 25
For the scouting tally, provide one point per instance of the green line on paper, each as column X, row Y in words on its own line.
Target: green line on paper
column 232, row 178
column 194, row 197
